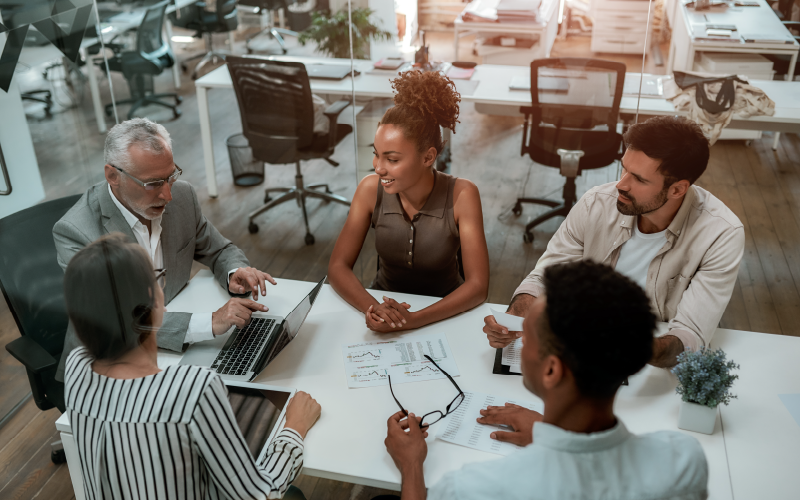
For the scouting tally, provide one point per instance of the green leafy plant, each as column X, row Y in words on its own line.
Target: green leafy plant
column 331, row 35
column 704, row 377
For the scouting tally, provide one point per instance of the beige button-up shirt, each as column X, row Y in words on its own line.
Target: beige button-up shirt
column 689, row 281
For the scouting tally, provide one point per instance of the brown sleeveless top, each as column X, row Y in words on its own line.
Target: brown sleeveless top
column 418, row 256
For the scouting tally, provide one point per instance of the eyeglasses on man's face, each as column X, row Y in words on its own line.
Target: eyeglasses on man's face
column 153, row 185
column 435, row 415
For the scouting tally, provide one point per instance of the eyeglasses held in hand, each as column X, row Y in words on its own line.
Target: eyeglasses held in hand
column 161, row 277
column 438, row 415
column 153, row 185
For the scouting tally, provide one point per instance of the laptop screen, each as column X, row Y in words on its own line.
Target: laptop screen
column 294, row 320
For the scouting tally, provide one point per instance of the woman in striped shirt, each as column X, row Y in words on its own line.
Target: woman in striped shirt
column 143, row 432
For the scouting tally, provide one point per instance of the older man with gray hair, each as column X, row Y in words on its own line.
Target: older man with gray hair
column 142, row 198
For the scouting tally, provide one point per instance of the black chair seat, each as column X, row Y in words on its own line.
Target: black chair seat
column 600, row 148
column 132, row 63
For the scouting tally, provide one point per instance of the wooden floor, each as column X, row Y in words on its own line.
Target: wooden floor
column 760, row 185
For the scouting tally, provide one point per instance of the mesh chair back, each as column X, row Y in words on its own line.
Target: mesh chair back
column 30, row 277
column 149, row 41
column 275, row 105
column 227, row 17
column 576, row 93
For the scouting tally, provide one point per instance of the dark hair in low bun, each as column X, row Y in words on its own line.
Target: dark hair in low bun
column 423, row 102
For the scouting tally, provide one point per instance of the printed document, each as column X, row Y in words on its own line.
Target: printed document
column 461, row 428
column 367, row 364
column 512, row 352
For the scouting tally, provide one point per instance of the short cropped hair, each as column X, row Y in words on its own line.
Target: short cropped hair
column 598, row 322
column 675, row 140
column 141, row 132
column 108, row 288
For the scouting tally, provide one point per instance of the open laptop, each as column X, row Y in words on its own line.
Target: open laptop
column 244, row 353
column 329, row 71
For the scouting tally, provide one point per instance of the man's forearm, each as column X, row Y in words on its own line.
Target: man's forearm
column 413, row 486
column 666, row 350
column 521, row 304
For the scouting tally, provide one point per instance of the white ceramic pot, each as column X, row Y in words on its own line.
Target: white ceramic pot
column 697, row 418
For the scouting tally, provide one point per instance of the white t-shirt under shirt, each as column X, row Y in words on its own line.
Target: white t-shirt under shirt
column 637, row 253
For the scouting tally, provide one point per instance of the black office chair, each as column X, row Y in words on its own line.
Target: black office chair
column 32, row 284
column 269, row 6
column 571, row 124
column 205, row 23
column 152, row 56
column 43, row 96
column 278, row 122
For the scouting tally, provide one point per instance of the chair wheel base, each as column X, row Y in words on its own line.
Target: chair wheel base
column 527, row 237
column 58, row 457
column 517, row 210
column 253, row 228
column 267, row 198
column 176, row 113
column 309, row 239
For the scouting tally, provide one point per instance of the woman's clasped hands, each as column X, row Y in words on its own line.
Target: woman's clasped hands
column 389, row 316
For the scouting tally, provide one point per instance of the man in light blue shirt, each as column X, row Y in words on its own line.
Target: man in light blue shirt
column 593, row 329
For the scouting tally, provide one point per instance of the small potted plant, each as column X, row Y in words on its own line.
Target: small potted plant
column 704, row 382
column 329, row 32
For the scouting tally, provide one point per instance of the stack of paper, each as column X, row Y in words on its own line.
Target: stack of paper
column 480, row 11
column 515, row 11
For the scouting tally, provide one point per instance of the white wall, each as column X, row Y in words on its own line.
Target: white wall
column 20, row 158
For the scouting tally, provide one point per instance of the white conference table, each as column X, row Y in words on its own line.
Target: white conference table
column 755, row 457
column 492, row 88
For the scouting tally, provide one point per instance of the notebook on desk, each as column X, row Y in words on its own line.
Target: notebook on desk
column 546, row 84
column 329, row 71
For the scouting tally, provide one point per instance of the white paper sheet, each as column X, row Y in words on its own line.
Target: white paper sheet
column 511, row 356
column 511, row 353
column 461, row 428
column 368, row 364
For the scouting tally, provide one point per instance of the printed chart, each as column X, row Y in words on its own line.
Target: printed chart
column 371, row 363
column 461, row 428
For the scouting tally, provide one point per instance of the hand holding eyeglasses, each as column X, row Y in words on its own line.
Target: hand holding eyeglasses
column 405, row 441
column 519, row 419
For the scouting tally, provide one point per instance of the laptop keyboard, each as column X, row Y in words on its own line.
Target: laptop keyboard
column 242, row 350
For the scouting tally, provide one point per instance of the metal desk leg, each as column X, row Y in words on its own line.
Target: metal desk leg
column 205, row 137
column 95, row 91
column 176, row 70
column 73, row 464
column 455, row 43
column 789, row 77
column 230, row 40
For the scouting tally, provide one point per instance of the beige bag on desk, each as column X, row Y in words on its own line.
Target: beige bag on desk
column 749, row 101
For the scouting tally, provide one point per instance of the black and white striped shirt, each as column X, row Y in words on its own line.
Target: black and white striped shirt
column 171, row 435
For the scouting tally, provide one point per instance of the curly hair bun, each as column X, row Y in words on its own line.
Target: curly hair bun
column 431, row 93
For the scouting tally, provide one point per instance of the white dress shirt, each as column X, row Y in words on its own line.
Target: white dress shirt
column 200, row 325
column 612, row 464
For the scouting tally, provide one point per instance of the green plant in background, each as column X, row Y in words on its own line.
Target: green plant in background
column 330, row 33
column 704, row 377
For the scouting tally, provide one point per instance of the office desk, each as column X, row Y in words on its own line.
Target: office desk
column 761, row 438
column 492, row 89
column 760, row 19
column 545, row 28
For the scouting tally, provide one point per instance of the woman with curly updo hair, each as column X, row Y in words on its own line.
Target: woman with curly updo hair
column 428, row 224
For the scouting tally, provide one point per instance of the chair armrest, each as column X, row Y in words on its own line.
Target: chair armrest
column 332, row 112
column 31, row 354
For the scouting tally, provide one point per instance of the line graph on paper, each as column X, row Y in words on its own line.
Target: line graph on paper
column 420, row 370
column 370, row 363
column 366, row 356
column 368, row 376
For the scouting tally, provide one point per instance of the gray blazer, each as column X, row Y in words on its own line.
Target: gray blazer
column 186, row 236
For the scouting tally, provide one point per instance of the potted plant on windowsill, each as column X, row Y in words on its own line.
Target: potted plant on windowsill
column 329, row 32
column 704, row 382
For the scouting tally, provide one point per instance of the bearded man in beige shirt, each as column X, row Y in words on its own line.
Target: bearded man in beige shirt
column 677, row 240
